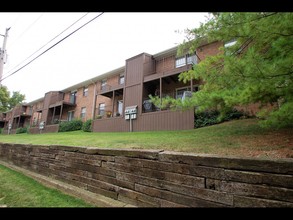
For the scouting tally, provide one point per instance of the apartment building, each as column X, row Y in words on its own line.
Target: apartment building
column 118, row 101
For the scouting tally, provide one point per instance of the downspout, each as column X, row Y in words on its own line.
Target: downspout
column 94, row 100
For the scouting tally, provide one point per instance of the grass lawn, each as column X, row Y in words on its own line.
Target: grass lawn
column 18, row 190
column 238, row 138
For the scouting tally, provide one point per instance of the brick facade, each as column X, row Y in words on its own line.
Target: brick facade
column 144, row 75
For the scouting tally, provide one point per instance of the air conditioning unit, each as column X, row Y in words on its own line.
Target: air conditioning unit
column 187, row 94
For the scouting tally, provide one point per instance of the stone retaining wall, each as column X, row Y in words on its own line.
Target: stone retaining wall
column 154, row 178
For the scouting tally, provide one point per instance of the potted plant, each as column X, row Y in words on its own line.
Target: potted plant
column 108, row 114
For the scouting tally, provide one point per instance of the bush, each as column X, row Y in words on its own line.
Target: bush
column 21, row 130
column 206, row 118
column 1, row 130
column 87, row 126
column 73, row 125
column 212, row 117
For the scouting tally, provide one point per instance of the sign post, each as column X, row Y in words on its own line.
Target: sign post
column 130, row 114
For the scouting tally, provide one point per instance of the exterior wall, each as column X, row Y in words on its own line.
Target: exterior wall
column 152, row 121
column 208, row 50
column 165, row 64
column 103, row 99
column 84, row 101
column 139, row 72
column 157, row 178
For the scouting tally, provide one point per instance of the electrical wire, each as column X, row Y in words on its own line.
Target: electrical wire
column 46, row 43
column 29, row 27
column 52, row 46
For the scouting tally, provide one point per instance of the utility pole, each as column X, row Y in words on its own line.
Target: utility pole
column 3, row 53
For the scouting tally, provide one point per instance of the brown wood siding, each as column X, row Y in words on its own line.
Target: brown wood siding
column 164, row 120
column 153, row 121
column 134, row 70
column 110, row 125
column 149, row 65
column 133, row 96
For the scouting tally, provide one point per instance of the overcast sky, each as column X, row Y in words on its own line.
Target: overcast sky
column 100, row 46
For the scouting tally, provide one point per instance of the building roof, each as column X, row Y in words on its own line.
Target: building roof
column 159, row 55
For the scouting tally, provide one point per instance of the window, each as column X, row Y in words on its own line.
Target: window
column 83, row 112
column 191, row 59
column 120, row 106
column 121, row 79
column 101, row 108
column 70, row 116
column 188, row 59
column 229, row 44
column 73, row 97
column 180, row 91
column 180, row 61
column 103, row 84
column 85, row 91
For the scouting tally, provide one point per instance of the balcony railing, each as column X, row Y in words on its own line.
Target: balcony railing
column 107, row 112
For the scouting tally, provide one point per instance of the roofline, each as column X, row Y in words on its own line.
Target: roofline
column 170, row 51
column 93, row 80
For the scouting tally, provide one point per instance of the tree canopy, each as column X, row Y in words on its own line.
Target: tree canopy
column 8, row 101
column 255, row 67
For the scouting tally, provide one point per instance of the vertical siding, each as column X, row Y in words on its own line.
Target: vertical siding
column 149, row 66
column 133, row 95
column 110, row 125
column 164, row 120
column 134, row 70
column 153, row 121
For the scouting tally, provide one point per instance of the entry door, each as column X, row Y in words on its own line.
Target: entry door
column 120, row 106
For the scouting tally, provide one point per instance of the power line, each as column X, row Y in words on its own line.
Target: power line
column 52, row 46
column 29, row 27
column 47, row 43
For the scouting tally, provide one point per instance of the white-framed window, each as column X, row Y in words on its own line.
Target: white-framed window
column 82, row 112
column 85, row 91
column 180, row 61
column 191, row 59
column 101, row 108
column 103, row 84
column 180, row 91
column 230, row 43
column 120, row 106
column 184, row 60
column 121, row 79
column 73, row 97
column 70, row 115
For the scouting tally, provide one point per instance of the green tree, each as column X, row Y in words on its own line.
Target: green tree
column 4, row 98
column 257, row 68
column 15, row 99
column 8, row 102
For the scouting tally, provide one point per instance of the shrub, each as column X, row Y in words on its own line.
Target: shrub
column 1, row 130
column 87, row 126
column 70, row 125
column 21, row 130
column 206, row 118
column 212, row 117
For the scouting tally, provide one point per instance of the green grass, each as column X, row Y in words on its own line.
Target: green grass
column 18, row 190
column 225, row 138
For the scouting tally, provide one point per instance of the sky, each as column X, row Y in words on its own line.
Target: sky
column 100, row 46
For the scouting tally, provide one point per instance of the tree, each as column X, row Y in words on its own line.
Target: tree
column 8, row 102
column 15, row 99
column 4, row 98
column 257, row 67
